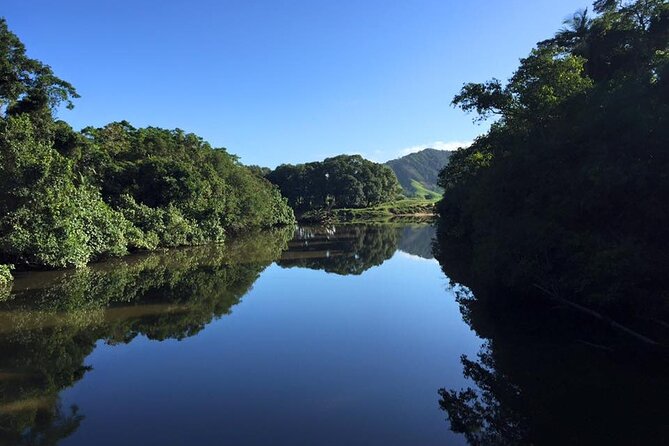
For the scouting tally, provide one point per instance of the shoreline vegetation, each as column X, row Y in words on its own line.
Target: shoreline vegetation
column 564, row 196
column 350, row 189
column 69, row 198
column 563, row 200
column 403, row 210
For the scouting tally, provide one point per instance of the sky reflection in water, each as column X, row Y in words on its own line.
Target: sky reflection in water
column 344, row 339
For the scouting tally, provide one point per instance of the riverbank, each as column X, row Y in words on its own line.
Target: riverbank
column 408, row 209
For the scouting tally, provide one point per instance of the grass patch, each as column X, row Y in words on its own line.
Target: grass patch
column 407, row 209
column 420, row 191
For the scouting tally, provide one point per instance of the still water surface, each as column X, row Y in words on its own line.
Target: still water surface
column 326, row 336
column 330, row 336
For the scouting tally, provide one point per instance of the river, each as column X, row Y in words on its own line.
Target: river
column 339, row 335
column 343, row 335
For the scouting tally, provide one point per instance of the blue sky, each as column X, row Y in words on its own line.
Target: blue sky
column 285, row 80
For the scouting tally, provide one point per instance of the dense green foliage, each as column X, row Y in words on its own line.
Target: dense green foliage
column 345, row 181
column 419, row 171
column 567, row 194
column 176, row 185
column 5, row 280
column 5, row 274
column 67, row 197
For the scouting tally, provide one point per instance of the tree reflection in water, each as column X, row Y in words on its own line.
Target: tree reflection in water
column 547, row 376
column 342, row 250
column 417, row 240
column 53, row 320
column 353, row 249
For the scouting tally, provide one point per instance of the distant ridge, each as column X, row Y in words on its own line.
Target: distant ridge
column 418, row 172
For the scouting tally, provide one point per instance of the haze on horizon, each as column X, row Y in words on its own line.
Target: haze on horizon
column 285, row 81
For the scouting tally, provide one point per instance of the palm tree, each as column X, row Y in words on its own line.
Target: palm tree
column 573, row 35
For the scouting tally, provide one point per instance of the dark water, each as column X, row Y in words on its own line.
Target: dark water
column 340, row 336
column 330, row 336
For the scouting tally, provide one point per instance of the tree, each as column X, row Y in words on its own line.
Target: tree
column 565, row 193
column 50, row 217
column 68, row 198
column 27, row 85
column 344, row 181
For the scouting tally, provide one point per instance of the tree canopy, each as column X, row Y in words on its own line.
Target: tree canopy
column 344, row 181
column 69, row 197
column 27, row 85
column 567, row 192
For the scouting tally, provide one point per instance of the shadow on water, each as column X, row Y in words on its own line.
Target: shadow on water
column 546, row 375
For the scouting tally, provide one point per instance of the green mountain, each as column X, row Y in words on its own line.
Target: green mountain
column 417, row 172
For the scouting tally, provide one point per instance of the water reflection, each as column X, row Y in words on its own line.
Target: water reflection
column 53, row 321
column 417, row 240
column 352, row 249
column 548, row 376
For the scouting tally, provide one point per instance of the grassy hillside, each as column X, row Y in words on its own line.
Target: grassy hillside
column 422, row 192
column 417, row 172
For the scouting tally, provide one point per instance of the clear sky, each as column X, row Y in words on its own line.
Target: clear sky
column 284, row 80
